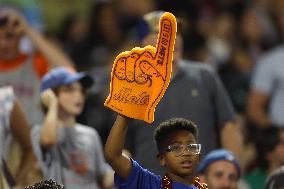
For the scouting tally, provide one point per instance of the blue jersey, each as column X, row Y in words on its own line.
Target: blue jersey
column 141, row 178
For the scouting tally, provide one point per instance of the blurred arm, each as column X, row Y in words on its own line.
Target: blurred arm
column 48, row 133
column 51, row 52
column 231, row 138
column 256, row 109
column 54, row 55
column 21, row 131
column 19, row 127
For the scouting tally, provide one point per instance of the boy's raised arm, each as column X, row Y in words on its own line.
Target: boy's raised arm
column 139, row 80
column 48, row 133
column 120, row 163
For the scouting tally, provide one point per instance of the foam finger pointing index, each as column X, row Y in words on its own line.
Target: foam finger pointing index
column 166, row 39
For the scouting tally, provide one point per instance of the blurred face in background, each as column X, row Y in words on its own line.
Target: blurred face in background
column 9, row 43
column 224, row 27
column 10, row 34
column 221, row 175
column 71, row 98
column 251, row 30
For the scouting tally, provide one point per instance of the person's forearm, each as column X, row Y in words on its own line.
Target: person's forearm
column 231, row 138
column 19, row 127
column 256, row 108
column 54, row 55
column 260, row 118
column 120, row 163
column 48, row 134
column 115, row 141
column 27, row 159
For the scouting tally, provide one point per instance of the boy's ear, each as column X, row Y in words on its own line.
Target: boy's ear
column 161, row 159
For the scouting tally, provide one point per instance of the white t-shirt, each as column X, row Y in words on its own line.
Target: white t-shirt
column 6, row 104
column 268, row 78
column 76, row 161
column 26, row 86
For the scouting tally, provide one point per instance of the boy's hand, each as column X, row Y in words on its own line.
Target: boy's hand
column 141, row 76
column 48, row 98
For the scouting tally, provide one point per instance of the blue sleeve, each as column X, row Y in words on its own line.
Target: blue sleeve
column 139, row 178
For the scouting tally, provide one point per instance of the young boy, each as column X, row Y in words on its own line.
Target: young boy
column 176, row 140
column 68, row 152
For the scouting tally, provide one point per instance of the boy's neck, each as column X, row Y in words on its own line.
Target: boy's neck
column 188, row 180
column 66, row 119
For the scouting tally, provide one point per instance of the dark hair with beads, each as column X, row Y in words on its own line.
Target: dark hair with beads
column 46, row 184
column 167, row 127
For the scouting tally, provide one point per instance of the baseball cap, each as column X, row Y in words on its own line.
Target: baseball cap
column 276, row 179
column 64, row 76
column 217, row 155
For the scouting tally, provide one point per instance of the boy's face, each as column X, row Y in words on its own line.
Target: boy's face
column 71, row 98
column 221, row 175
column 181, row 163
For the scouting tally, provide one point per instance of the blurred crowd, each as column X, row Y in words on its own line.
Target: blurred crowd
column 237, row 46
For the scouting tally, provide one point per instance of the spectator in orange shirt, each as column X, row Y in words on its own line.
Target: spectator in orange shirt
column 23, row 71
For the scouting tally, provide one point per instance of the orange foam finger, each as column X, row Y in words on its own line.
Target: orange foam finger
column 166, row 40
column 139, row 80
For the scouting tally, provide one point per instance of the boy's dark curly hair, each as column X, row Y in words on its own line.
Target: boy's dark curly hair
column 167, row 127
column 46, row 184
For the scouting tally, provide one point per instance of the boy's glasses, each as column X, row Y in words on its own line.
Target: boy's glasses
column 178, row 149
